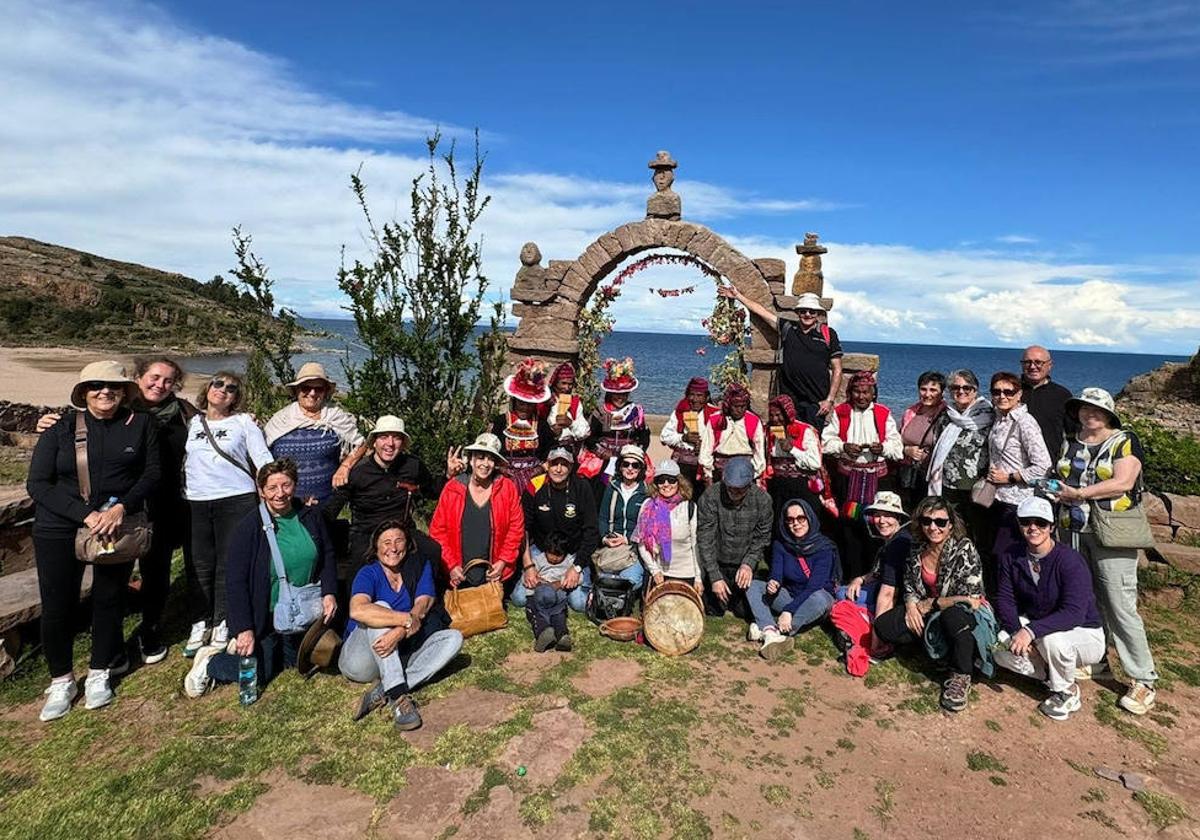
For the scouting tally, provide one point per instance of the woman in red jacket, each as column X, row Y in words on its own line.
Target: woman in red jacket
column 478, row 515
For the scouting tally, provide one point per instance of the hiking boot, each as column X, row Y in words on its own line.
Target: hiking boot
column 775, row 644
column 955, row 691
column 59, row 697
column 1060, row 704
column 1139, row 699
column 563, row 643
column 96, row 690
column 196, row 639
column 405, row 716
column 545, row 640
column 1093, row 672
column 754, row 633
column 198, row 682
column 153, row 650
column 374, row 698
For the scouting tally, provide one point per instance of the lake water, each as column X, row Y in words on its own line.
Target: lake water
column 666, row 361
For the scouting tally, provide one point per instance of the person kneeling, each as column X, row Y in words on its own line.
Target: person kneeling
column 804, row 572
column 396, row 636
column 1047, row 606
column 546, row 608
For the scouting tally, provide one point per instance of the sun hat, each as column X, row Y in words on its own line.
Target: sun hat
column 887, row 502
column 667, row 466
column 809, row 300
column 317, row 648
column 389, row 423
column 310, row 371
column 560, row 453
column 487, row 443
column 1097, row 397
column 106, row 371
column 528, row 382
column 619, row 376
column 633, row 452
column 1035, row 507
column 738, row 472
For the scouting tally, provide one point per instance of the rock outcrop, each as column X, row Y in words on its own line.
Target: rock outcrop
column 1168, row 396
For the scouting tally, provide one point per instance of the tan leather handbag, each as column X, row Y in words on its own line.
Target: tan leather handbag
column 131, row 540
column 477, row 609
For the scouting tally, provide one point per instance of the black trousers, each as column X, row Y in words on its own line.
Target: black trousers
column 172, row 529
column 212, row 523
column 958, row 625
column 59, row 578
column 737, row 604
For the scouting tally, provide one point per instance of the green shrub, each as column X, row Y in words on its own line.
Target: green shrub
column 1172, row 460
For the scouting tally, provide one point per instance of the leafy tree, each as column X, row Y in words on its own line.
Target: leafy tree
column 416, row 304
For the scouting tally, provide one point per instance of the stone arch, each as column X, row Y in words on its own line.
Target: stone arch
column 549, row 300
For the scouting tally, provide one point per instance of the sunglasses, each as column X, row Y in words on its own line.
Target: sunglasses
column 1005, row 392
column 808, row 311
column 959, row 388
column 97, row 385
column 936, row 521
column 316, row 387
column 1033, row 522
column 630, row 465
column 227, row 387
column 666, row 479
column 792, row 520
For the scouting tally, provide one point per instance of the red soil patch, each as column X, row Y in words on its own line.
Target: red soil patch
column 430, row 802
column 546, row 747
column 296, row 809
column 528, row 666
column 604, row 676
column 474, row 707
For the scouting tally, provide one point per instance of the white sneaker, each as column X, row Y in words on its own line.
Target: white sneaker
column 1018, row 664
column 96, row 690
column 753, row 633
column 59, row 697
column 196, row 639
column 1139, row 699
column 220, row 635
column 198, row 682
column 775, row 644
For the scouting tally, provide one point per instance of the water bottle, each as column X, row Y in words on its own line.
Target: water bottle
column 247, row 680
column 106, row 543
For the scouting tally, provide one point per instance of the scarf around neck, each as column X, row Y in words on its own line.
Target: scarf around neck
column 654, row 526
column 978, row 417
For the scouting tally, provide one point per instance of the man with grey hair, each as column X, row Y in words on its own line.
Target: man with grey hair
column 1046, row 400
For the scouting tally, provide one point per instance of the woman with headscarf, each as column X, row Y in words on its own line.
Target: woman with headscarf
column 862, row 437
column 617, row 421
column 681, row 432
column 313, row 433
column 525, row 438
column 735, row 431
column 793, row 458
column 799, row 590
column 564, row 410
column 960, row 455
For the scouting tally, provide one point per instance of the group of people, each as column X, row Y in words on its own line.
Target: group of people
column 788, row 521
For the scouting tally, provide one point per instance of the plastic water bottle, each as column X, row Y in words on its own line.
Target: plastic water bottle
column 106, row 543
column 247, row 680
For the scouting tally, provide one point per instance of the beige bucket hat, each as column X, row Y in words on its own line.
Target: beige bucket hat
column 310, row 371
column 808, row 300
column 887, row 502
column 488, row 444
column 106, row 371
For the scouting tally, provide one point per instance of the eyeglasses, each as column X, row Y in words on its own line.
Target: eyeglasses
column 1033, row 522
column 306, row 387
column 1005, row 392
column 962, row 388
column 227, row 387
column 793, row 520
column 935, row 521
column 666, row 479
column 97, row 385
column 1037, row 363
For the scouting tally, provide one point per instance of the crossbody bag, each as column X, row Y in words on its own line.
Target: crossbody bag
column 131, row 540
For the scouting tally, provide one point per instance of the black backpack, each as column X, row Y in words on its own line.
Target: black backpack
column 612, row 597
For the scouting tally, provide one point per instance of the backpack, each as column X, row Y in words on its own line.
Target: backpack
column 612, row 597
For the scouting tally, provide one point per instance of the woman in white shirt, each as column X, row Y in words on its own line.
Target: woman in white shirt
column 666, row 530
column 224, row 451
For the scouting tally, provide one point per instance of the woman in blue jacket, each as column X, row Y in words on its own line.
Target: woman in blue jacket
column 804, row 572
column 1047, row 606
column 252, row 586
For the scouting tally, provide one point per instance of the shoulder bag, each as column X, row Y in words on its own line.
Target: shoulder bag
column 477, row 609
column 614, row 558
column 131, row 540
column 983, row 492
column 298, row 606
column 212, row 441
column 1122, row 528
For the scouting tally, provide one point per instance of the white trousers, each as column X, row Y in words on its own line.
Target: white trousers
column 1054, row 658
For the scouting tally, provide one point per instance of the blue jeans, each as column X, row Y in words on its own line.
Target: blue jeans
column 577, row 598
column 867, row 595
column 359, row 662
column 765, row 607
column 274, row 652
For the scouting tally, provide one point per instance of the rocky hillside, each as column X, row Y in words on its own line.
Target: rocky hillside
column 1169, row 396
column 55, row 295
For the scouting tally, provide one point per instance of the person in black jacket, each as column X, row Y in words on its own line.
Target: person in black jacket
column 1046, row 400
column 123, row 468
column 252, row 585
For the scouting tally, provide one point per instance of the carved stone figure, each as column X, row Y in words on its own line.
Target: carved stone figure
column 531, row 285
column 531, row 254
column 665, row 203
column 809, row 277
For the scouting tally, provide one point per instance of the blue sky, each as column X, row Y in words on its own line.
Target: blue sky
column 983, row 173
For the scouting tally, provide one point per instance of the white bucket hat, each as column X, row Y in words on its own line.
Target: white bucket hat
column 1097, row 397
column 389, row 423
column 809, row 300
column 487, row 444
column 107, row 372
column 887, row 502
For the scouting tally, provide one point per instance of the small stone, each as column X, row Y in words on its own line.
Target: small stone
column 1107, row 773
column 1133, row 781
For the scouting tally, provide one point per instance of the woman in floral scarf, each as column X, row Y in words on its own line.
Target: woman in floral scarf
column 960, row 455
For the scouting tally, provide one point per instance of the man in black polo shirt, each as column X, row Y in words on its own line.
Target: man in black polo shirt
column 812, row 355
column 1046, row 400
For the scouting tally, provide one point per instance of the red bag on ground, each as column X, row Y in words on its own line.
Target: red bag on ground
column 855, row 621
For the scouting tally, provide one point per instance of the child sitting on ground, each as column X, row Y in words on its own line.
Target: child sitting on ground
column 547, row 607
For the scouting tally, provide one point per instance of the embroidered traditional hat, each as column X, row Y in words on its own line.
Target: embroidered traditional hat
column 107, row 372
column 528, row 382
column 697, row 385
column 487, row 444
column 564, row 371
column 318, row 648
column 887, row 502
column 389, row 423
column 1097, row 397
column 809, row 300
column 310, row 371
column 619, row 376
column 736, row 394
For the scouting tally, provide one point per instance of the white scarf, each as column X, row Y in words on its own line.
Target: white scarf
column 976, row 418
column 332, row 418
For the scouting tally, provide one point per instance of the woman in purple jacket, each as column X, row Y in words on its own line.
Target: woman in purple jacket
column 799, row 592
column 1047, row 608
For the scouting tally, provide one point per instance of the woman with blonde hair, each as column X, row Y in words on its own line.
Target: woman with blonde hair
column 666, row 529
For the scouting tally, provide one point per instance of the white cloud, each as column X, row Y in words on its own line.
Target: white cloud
column 127, row 135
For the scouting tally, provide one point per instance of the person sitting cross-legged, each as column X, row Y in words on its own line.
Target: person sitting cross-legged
column 1046, row 605
column 804, row 572
column 546, row 607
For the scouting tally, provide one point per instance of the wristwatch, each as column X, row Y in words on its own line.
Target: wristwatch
column 408, row 625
